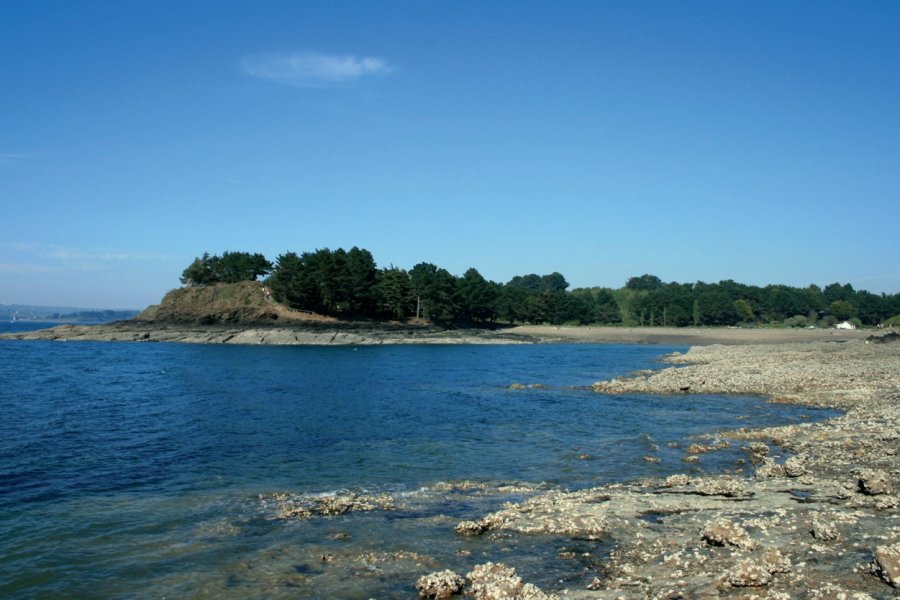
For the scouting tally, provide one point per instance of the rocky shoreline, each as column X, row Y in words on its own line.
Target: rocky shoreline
column 295, row 334
column 812, row 513
column 334, row 332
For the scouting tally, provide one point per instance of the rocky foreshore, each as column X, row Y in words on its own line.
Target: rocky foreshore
column 217, row 329
column 813, row 512
column 294, row 334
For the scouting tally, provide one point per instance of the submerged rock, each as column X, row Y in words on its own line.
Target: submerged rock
column 470, row 528
column 758, row 448
column 304, row 506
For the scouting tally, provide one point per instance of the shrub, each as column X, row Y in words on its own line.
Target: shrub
column 893, row 321
column 797, row 321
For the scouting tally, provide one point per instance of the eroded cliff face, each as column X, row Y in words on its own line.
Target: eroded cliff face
column 247, row 301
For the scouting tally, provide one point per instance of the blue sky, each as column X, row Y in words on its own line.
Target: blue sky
column 756, row 141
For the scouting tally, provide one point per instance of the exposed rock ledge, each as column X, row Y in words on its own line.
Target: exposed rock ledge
column 351, row 334
column 823, row 524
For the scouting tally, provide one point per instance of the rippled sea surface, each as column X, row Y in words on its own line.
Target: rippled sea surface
column 149, row 470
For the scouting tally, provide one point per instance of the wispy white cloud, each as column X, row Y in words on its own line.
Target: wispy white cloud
column 47, row 256
column 25, row 268
column 7, row 158
column 312, row 69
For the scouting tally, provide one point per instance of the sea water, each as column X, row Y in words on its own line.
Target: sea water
column 150, row 470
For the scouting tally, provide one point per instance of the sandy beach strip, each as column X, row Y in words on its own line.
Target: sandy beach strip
column 687, row 336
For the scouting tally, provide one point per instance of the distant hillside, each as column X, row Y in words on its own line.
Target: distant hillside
column 68, row 314
column 245, row 302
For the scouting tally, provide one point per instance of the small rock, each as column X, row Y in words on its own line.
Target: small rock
column 516, row 386
column 759, row 449
column 748, row 574
column 825, row 532
column 886, row 501
column 470, row 528
column 887, row 563
column 699, row 449
column 775, row 562
column 652, row 459
column 440, row 584
column 873, row 482
column 830, row 591
column 769, row 468
column 676, row 480
column 730, row 488
column 491, row 581
column 722, row 532
column 794, row 467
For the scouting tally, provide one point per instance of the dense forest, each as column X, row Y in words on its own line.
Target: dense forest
column 349, row 284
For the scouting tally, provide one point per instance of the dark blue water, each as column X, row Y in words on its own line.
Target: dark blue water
column 136, row 469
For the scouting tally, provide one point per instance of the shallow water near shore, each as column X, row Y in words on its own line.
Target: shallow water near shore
column 152, row 470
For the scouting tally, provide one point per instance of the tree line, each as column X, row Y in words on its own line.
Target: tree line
column 349, row 284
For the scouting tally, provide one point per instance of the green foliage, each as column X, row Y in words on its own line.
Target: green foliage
column 393, row 292
column 337, row 283
column 645, row 283
column 541, row 299
column 893, row 321
column 797, row 321
column 836, row 291
column 476, row 298
column 594, row 305
column 348, row 284
column 433, row 289
column 716, row 305
column 231, row 267
column 744, row 310
column 841, row 309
